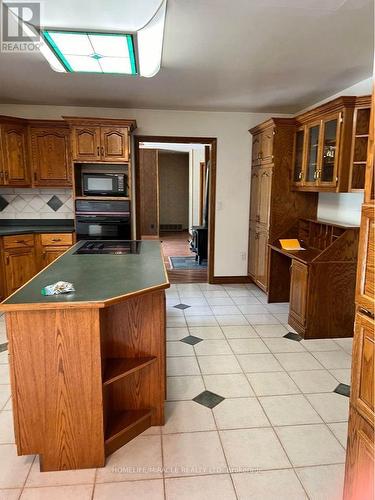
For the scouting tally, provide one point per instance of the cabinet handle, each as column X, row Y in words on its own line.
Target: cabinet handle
column 56, row 239
column 6, row 175
column 300, row 176
column 35, row 177
column 98, row 151
column 20, row 241
column 315, row 175
column 7, row 260
column 102, row 150
column 366, row 312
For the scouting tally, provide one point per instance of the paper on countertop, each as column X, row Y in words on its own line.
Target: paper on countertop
column 292, row 244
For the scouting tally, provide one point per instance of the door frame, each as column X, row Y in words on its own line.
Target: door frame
column 212, row 142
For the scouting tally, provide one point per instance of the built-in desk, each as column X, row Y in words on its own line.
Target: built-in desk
column 319, row 282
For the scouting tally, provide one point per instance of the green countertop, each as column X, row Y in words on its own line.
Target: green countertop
column 96, row 278
column 11, row 230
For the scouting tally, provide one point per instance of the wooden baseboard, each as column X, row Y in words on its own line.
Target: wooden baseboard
column 216, row 280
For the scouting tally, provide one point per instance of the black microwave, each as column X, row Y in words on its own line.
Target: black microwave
column 105, row 184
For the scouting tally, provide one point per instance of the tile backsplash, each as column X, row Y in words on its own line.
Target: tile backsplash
column 36, row 203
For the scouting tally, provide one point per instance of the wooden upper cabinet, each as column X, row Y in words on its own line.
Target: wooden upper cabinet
column 299, row 155
column 114, row 144
column 86, row 143
column 254, row 194
column 330, row 146
column 50, row 156
column 16, row 171
column 255, row 156
column 365, row 291
column 100, row 139
column 264, row 197
column 266, row 152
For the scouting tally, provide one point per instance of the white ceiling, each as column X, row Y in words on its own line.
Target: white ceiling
column 244, row 55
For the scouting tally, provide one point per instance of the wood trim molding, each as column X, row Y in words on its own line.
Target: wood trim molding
column 100, row 122
column 273, row 122
column 212, row 142
column 217, row 280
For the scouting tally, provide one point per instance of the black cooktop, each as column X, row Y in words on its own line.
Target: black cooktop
column 113, row 247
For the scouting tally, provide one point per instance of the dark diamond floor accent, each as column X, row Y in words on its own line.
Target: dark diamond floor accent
column 343, row 389
column 55, row 203
column 3, row 203
column 181, row 306
column 3, row 347
column 293, row 336
column 190, row 339
column 208, row 399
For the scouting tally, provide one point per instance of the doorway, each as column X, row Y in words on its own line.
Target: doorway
column 175, row 181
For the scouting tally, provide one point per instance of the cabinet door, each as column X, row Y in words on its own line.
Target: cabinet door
column 267, row 146
column 49, row 254
column 264, row 195
column 328, row 164
column 86, row 143
column 20, row 266
column 50, row 156
column 14, row 145
column 365, row 289
column 298, row 157
column 256, row 149
column 114, row 144
column 298, row 292
column 311, row 171
column 253, row 251
column 254, row 194
column 262, row 258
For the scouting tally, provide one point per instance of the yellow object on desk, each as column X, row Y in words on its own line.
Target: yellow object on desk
column 292, row 244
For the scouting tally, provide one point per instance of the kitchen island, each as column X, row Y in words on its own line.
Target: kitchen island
column 88, row 367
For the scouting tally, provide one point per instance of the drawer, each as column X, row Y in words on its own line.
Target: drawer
column 56, row 239
column 18, row 241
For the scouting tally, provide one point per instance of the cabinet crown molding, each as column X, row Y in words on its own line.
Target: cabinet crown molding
column 273, row 122
column 97, row 122
column 332, row 106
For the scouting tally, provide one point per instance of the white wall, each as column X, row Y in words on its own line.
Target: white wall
column 197, row 156
column 233, row 163
column 343, row 207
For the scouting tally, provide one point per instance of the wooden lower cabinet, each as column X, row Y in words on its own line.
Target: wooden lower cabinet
column 258, row 255
column 20, row 266
column 49, row 254
column 298, row 292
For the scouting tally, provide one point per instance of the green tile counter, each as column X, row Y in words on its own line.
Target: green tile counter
column 87, row 369
column 98, row 279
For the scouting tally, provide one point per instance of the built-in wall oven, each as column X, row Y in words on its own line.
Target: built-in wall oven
column 103, row 220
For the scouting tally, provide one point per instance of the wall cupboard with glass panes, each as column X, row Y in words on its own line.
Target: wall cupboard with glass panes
column 330, row 146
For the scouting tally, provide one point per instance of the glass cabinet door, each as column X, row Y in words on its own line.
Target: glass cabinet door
column 298, row 155
column 327, row 172
column 312, row 153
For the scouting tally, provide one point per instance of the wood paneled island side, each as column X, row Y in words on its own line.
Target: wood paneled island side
column 88, row 367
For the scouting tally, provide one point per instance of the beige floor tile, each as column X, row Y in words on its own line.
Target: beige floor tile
column 219, row 364
column 193, row 454
column 283, row 345
column 78, row 492
column 6, row 427
column 4, row 357
column 232, row 385
column 59, row 478
column 182, row 365
column 247, row 300
column 346, row 344
column 239, row 292
column 261, row 319
column 278, row 308
column 268, row 485
column 316, row 345
column 177, row 333
column 176, row 322
column 13, row 494
column 331, row 407
column 253, row 449
column 196, row 301
column 213, row 294
column 130, row 490
column 259, row 363
column 310, row 445
column 141, row 458
column 221, row 301
column 239, row 332
column 154, row 430
column 232, row 320
column 4, row 395
column 282, row 317
column 253, row 309
column 340, row 430
column 310, row 381
column 289, row 410
column 187, row 416
column 294, row 361
column 173, row 311
column 198, row 311
column 221, row 310
column 179, row 349
column 4, row 374
column 272, row 384
column 342, row 375
column 212, row 347
column 201, row 321
column 240, row 413
column 13, row 469
column 324, row 482
column 200, row 488
column 207, row 332
column 248, row 346
column 188, row 294
column 271, row 330
column 184, row 388
column 334, row 359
